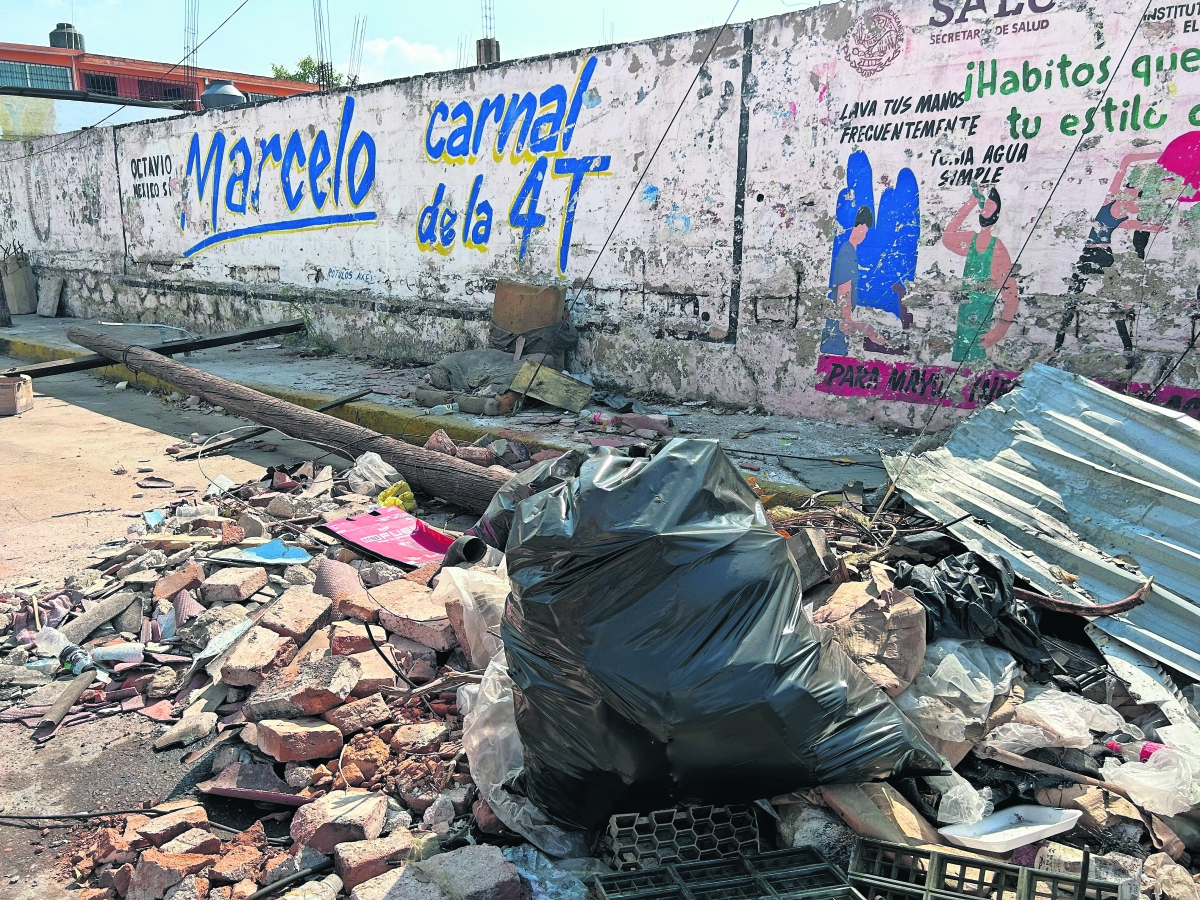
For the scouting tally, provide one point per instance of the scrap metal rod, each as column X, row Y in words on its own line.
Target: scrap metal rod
column 464, row 484
column 167, row 348
column 255, row 432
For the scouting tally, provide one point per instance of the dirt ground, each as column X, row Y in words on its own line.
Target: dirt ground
column 57, row 460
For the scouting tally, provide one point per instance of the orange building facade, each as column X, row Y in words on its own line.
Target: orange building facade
column 34, row 67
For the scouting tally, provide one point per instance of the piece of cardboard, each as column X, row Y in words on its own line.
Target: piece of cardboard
column 519, row 308
column 551, row 386
column 390, row 533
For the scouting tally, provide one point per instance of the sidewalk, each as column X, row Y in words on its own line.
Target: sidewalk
column 789, row 451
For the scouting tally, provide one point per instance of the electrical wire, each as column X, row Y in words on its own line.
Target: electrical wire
column 628, row 200
column 1011, row 270
column 86, row 128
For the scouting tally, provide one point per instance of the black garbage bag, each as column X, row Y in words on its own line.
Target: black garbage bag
column 661, row 655
column 494, row 524
column 971, row 596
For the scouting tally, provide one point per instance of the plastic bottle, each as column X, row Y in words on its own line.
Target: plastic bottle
column 1139, row 751
column 444, row 409
column 72, row 657
column 325, row 889
column 603, row 418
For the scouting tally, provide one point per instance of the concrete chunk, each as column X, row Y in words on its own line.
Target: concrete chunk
column 298, row 614
column 233, row 584
column 398, row 884
column 309, row 689
column 410, row 611
column 337, row 817
column 259, row 652
column 420, row 738
column 290, row 740
column 358, row 714
column 471, row 873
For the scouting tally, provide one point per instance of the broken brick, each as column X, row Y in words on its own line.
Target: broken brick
column 424, row 575
column 348, row 638
column 188, row 578
column 237, row 864
column 195, row 840
column 297, row 614
column 163, row 828
column 488, row 821
column 368, row 754
column 376, row 673
column 117, row 879
column 113, row 849
column 298, row 739
column 337, row 817
column 358, row 714
column 480, row 456
column 157, row 871
column 233, row 584
column 440, row 442
column 231, row 534
column 191, row 888
column 316, row 647
column 255, row 655
column 311, row 688
column 359, row 861
column 421, row 738
column 410, row 611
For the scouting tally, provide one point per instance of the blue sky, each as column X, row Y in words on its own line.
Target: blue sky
column 402, row 38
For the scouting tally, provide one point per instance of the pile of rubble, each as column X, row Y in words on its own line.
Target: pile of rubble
column 330, row 645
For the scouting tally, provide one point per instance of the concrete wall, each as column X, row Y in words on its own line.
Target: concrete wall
column 26, row 118
column 386, row 214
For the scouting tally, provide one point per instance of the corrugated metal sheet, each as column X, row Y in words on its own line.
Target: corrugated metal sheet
column 1063, row 472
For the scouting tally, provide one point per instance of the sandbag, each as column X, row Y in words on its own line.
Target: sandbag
column 660, row 654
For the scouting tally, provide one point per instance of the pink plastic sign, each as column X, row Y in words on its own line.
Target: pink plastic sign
column 391, row 533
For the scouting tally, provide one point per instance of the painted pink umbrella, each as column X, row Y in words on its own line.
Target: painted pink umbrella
column 1182, row 157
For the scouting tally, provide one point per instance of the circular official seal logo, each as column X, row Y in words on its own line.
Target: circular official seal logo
column 875, row 41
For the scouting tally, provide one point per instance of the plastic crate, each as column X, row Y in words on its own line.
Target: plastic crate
column 677, row 836
column 797, row 874
column 886, row 871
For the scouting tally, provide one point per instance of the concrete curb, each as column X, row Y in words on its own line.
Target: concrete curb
column 399, row 423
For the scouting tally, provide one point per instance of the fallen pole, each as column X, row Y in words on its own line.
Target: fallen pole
column 464, row 484
column 167, row 348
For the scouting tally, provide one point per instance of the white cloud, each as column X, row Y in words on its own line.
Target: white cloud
column 394, row 57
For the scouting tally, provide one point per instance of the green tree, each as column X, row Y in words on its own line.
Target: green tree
column 308, row 69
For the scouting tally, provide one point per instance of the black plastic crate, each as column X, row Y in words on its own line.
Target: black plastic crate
column 797, row 874
column 887, row 871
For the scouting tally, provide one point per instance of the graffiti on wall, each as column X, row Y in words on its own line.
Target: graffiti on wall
column 528, row 130
column 322, row 182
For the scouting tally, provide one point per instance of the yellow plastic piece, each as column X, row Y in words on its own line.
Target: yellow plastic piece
column 399, row 495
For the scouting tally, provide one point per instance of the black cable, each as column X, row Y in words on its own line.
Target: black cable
column 87, row 128
column 629, row 199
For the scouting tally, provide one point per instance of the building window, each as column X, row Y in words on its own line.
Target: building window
column 101, row 84
column 259, row 98
column 30, row 75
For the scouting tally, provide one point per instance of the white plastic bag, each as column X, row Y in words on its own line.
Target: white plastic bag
column 371, row 475
column 1053, row 718
column 1166, row 783
column 483, row 594
column 956, row 686
column 961, row 804
column 493, row 748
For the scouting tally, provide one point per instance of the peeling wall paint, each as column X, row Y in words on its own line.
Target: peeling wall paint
column 849, row 219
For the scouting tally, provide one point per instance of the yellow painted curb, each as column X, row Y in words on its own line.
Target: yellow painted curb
column 404, row 424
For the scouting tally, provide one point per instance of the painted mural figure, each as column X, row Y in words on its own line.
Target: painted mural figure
column 1120, row 210
column 873, row 258
column 985, row 273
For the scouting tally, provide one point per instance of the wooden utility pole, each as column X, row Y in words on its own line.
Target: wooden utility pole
column 464, row 484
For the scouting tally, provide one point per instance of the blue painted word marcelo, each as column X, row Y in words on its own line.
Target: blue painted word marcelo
column 318, row 177
column 528, row 130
